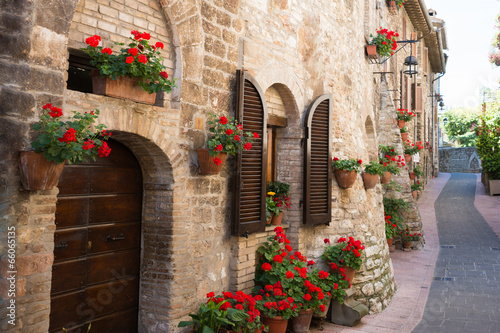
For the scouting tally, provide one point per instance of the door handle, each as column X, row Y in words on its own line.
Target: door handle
column 61, row 245
column 119, row 237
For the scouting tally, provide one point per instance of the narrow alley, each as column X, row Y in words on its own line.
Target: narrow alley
column 453, row 285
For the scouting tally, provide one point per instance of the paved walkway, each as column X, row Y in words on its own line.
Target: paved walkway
column 414, row 271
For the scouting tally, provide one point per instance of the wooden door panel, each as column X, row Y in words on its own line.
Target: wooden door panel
column 74, row 180
column 70, row 243
column 114, row 180
column 67, row 309
column 111, row 266
column 114, row 296
column 114, row 237
column 119, row 208
column 122, row 322
column 71, row 212
column 68, row 275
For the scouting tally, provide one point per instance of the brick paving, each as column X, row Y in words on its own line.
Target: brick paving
column 468, row 219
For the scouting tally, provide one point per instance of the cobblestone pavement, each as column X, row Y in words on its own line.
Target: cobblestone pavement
column 466, row 298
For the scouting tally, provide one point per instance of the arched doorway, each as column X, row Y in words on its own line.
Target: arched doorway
column 95, row 276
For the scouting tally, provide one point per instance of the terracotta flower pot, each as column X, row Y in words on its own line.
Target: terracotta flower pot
column 414, row 194
column 370, row 180
column 276, row 324
column 301, row 323
column 349, row 272
column 371, row 51
column 386, row 178
column 268, row 221
column 324, row 313
column 412, row 175
column 392, row 7
column 345, row 179
column 125, row 87
column 401, row 124
column 407, row 158
column 207, row 165
column 404, row 136
column 37, row 173
column 407, row 245
column 389, row 241
column 277, row 219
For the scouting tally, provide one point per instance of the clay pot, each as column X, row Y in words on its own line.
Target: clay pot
column 301, row 323
column 404, row 136
column 268, row 221
column 345, row 179
column 37, row 173
column 277, row 219
column 412, row 175
column 371, row 51
column 401, row 123
column 206, row 162
column 389, row 242
column 407, row 158
column 370, row 180
column 276, row 324
column 386, row 178
column 324, row 313
column 414, row 194
column 407, row 245
column 125, row 87
column 349, row 272
column 392, row 7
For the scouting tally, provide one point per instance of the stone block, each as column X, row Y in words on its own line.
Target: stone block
column 55, row 15
column 48, row 49
column 16, row 103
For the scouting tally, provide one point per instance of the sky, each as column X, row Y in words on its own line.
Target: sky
column 470, row 28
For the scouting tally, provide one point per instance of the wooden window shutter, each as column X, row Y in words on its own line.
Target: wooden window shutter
column 249, row 210
column 418, row 98
column 317, row 163
column 426, row 61
column 408, row 92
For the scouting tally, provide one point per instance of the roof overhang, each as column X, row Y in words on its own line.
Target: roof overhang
column 435, row 38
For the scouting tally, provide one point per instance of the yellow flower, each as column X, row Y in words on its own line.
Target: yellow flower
column 271, row 193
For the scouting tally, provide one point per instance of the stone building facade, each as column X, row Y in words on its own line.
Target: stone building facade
column 295, row 52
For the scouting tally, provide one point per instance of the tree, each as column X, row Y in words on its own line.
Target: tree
column 461, row 125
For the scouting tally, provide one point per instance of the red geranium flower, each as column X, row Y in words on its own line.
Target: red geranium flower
column 104, row 150
column 247, row 146
column 133, row 51
column 164, row 75
column 142, row 58
column 223, row 120
column 159, row 45
column 217, row 161
column 129, row 60
column 266, row 266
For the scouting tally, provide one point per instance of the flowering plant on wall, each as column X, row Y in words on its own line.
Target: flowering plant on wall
column 385, row 41
column 399, row 3
column 412, row 148
column 374, row 168
column 391, row 229
column 405, row 115
column 347, row 164
column 228, row 137
column 137, row 59
column 76, row 140
column 348, row 252
column 416, row 187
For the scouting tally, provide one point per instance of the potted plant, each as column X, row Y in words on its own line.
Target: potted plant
column 281, row 198
column 346, row 256
column 346, row 171
column 415, row 188
column 371, row 173
column 417, row 172
column 214, row 315
column 271, row 208
column 407, row 238
column 411, row 149
column 136, row 72
column 404, row 116
column 404, row 133
column 331, row 283
column 75, row 140
column 384, row 42
column 390, row 229
column 227, row 138
column 394, row 5
column 487, row 147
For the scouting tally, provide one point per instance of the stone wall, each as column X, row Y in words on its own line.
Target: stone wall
column 296, row 51
column 464, row 159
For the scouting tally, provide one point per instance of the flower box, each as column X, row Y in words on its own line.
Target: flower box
column 124, row 87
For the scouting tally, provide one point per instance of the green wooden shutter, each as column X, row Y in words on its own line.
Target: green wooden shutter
column 317, row 164
column 249, row 210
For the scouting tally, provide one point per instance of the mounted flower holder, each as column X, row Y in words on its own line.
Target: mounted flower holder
column 76, row 140
column 385, row 45
column 346, row 171
column 228, row 138
column 394, row 5
column 136, row 72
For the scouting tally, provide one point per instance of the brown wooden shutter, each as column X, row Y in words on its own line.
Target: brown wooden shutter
column 249, row 210
column 418, row 98
column 426, row 61
column 317, row 163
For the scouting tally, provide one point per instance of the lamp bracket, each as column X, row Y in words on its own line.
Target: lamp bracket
column 404, row 42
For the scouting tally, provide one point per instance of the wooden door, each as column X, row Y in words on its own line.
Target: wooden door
column 95, row 277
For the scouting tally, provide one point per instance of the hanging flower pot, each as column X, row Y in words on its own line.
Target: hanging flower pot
column 125, row 87
column 392, row 7
column 345, row 179
column 386, row 178
column 412, row 175
column 301, row 323
column 389, row 241
column 371, row 51
column 207, row 164
column 404, row 136
column 370, row 180
column 407, row 158
column 401, row 124
column 414, row 194
column 276, row 324
column 277, row 219
column 37, row 173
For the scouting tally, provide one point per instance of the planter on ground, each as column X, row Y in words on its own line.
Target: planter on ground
column 301, row 323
